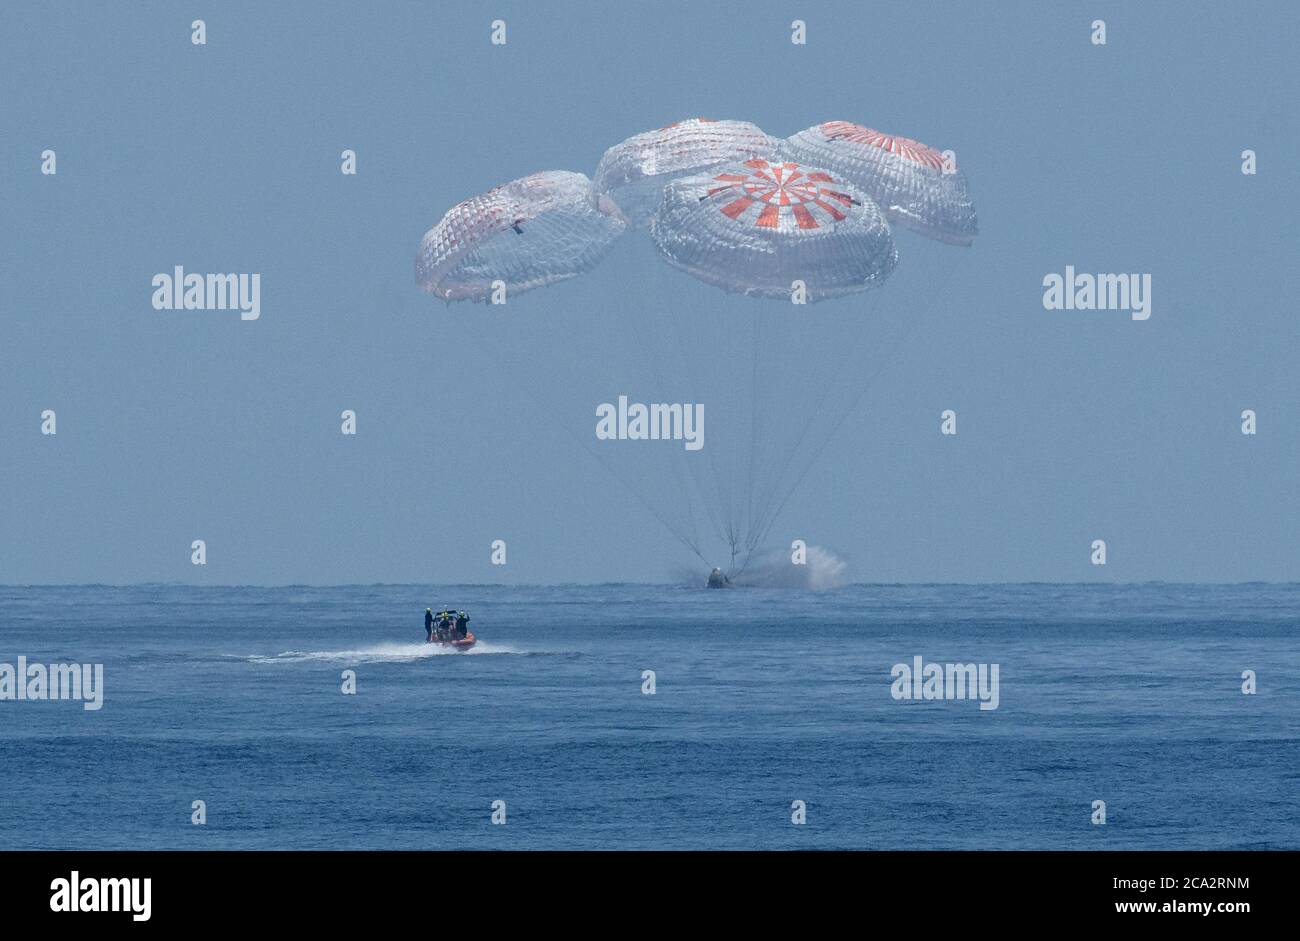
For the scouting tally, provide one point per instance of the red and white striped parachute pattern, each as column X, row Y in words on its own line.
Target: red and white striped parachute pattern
column 904, row 176
column 531, row 232
column 755, row 227
column 721, row 204
column 634, row 173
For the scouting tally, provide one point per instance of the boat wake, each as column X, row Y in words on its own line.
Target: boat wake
column 380, row 653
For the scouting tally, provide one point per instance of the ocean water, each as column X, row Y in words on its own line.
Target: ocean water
column 1127, row 694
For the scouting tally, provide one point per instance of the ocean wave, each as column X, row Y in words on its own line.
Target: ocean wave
column 380, row 653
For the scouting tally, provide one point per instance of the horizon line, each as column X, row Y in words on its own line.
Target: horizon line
column 655, row 584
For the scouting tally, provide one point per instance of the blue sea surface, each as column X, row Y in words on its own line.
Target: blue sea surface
column 1129, row 694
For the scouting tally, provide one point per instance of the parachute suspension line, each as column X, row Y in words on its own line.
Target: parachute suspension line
column 539, row 404
column 772, row 475
column 744, row 533
column 720, row 526
column 742, row 514
column 727, row 479
column 774, row 501
column 753, row 425
column 741, row 533
column 715, row 509
column 684, row 477
column 759, row 455
column 744, row 537
column 910, row 323
column 766, row 462
column 693, row 468
column 689, row 541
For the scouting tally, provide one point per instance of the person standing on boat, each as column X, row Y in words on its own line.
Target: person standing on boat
column 462, row 623
column 428, row 625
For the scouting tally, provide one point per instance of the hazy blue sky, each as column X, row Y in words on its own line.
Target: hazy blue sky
column 174, row 426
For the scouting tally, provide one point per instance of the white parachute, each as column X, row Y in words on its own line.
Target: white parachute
column 907, row 178
column 758, row 227
column 525, row 234
column 804, row 220
column 633, row 174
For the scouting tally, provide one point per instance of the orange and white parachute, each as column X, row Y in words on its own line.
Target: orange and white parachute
column 907, row 178
column 634, row 173
column 739, row 210
column 530, row 232
column 758, row 226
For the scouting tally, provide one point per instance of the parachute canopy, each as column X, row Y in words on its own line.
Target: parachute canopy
column 634, row 173
column 755, row 227
column 527, row 233
column 738, row 210
column 905, row 177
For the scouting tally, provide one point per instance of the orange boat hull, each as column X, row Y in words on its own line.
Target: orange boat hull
column 460, row 643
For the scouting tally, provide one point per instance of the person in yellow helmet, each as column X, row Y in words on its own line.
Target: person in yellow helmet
column 442, row 626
